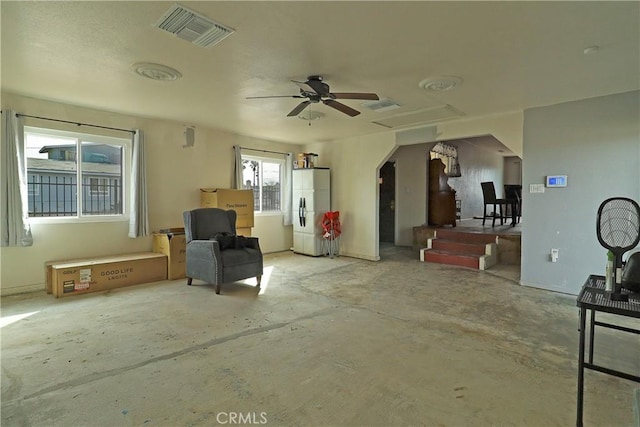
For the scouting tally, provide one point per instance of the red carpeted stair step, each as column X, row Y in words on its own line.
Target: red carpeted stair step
column 465, row 236
column 458, row 247
column 465, row 249
column 452, row 258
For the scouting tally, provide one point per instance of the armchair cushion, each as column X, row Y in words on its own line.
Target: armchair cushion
column 240, row 256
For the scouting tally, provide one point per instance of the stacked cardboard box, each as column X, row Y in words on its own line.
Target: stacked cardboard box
column 173, row 244
column 240, row 201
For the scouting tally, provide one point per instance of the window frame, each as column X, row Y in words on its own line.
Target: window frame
column 267, row 159
column 83, row 138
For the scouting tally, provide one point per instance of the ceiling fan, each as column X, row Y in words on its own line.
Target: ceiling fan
column 315, row 90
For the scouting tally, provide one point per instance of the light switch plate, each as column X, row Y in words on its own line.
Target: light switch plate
column 536, row 188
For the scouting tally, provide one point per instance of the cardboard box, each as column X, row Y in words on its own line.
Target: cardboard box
column 100, row 274
column 174, row 246
column 48, row 283
column 174, row 230
column 240, row 201
column 305, row 160
column 246, row 232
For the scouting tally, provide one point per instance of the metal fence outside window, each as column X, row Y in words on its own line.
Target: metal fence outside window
column 270, row 197
column 55, row 195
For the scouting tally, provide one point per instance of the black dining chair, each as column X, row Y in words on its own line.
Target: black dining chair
column 514, row 192
column 489, row 196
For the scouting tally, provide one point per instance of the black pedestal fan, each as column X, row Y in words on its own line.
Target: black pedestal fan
column 618, row 229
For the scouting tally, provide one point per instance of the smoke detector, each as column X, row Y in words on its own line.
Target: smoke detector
column 440, row 84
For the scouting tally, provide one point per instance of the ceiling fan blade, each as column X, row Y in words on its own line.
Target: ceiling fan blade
column 341, row 107
column 352, row 95
column 299, row 108
column 275, row 96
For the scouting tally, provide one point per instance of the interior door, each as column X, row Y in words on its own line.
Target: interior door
column 387, row 215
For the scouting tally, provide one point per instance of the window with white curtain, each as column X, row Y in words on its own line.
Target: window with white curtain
column 263, row 175
column 449, row 156
column 76, row 176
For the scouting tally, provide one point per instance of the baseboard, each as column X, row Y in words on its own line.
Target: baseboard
column 24, row 289
column 556, row 289
column 360, row 256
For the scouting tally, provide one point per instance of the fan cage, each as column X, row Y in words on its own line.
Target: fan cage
column 619, row 223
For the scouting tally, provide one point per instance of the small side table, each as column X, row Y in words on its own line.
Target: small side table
column 593, row 297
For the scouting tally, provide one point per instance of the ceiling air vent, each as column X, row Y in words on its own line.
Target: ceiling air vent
column 382, row 105
column 192, row 26
column 427, row 115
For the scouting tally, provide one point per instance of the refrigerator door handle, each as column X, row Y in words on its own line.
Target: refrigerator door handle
column 300, row 213
column 304, row 212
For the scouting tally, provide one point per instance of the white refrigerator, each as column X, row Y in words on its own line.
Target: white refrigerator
column 311, row 199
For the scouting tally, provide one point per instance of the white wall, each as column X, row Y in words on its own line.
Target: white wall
column 596, row 142
column 513, row 170
column 411, row 190
column 175, row 175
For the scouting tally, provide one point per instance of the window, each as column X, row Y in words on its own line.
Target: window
column 57, row 161
column 264, row 177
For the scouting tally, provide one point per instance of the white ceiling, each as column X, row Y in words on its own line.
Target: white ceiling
column 510, row 55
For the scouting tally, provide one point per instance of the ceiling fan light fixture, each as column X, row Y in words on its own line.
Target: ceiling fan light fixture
column 310, row 115
column 156, row 71
column 441, row 83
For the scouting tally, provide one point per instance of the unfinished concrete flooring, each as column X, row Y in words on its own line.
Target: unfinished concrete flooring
column 329, row 342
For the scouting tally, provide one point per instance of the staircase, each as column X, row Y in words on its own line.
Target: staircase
column 471, row 250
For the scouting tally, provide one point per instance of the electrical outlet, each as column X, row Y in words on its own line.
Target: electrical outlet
column 554, row 255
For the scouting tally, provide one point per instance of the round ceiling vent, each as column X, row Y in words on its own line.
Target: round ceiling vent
column 156, row 71
column 440, row 84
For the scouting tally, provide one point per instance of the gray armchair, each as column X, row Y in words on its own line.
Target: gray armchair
column 207, row 261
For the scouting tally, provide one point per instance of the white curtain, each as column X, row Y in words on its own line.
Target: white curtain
column 287, row 191
column 139, row 219
column 16, row 230
column 237, row 167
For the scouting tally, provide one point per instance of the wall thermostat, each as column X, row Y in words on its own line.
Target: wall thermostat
column 557, row 181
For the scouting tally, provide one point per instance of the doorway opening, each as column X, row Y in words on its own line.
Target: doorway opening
column 387, row 203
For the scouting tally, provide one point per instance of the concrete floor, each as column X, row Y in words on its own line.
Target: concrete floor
column 329, row 342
